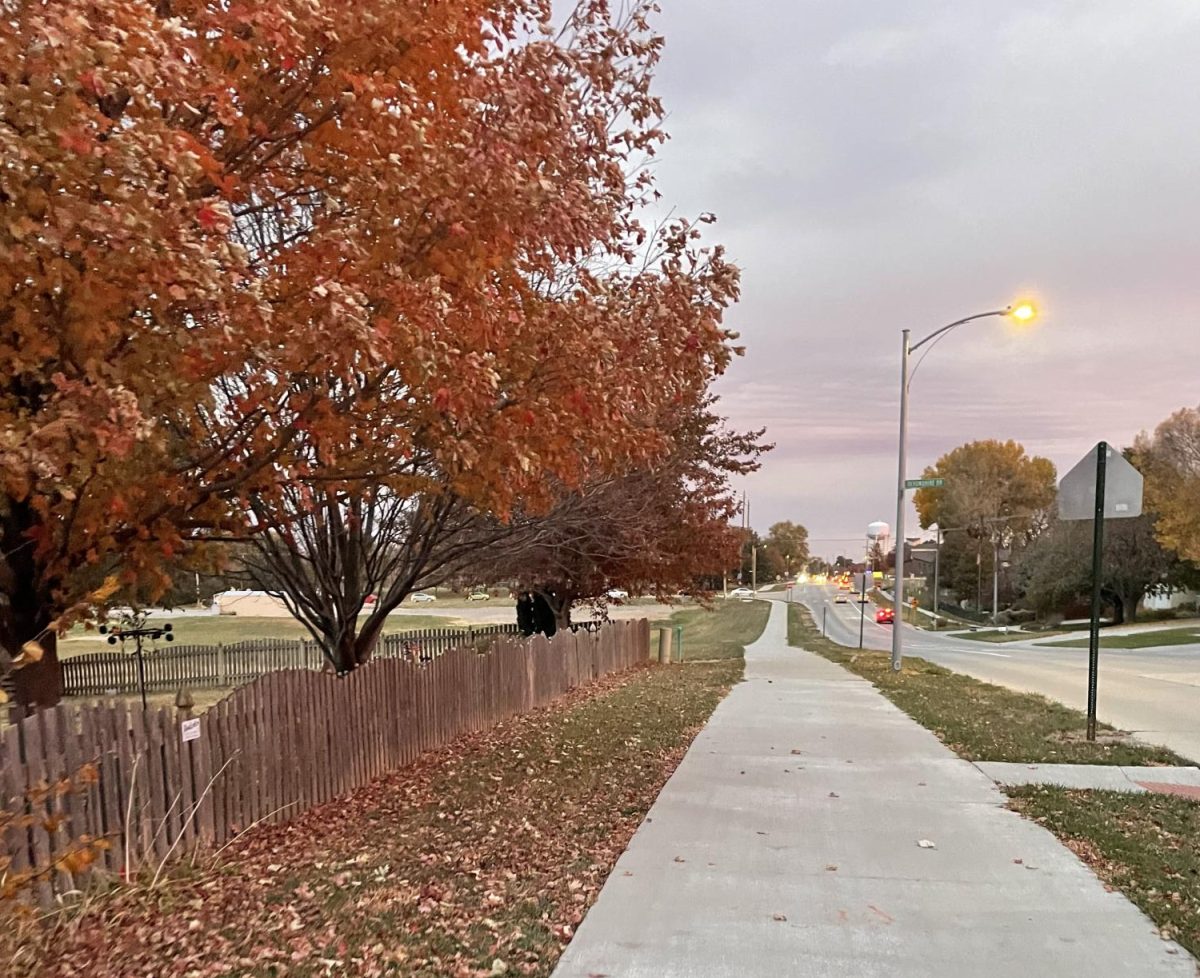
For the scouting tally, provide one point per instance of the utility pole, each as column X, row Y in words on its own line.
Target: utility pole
column 937, row 561
column 995, row 581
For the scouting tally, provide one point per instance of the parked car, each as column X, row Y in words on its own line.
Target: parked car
column 742, row 593
column 421, row 597
column 479, row 596
column 616, row 594
column 885, row 616
column 840, row 598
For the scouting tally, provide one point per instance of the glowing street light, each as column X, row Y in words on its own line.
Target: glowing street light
column 1023, row 312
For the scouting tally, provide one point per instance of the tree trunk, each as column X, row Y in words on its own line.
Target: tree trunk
column 546, row 611
column 1118, row 603
column 558, row 601
column 344, row 653
column 526, row 615
column 29, row 609
column 368, row 640
column 1131, row 608
column 39, row 685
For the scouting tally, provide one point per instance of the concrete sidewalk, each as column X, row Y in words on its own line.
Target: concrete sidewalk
column 788, row 843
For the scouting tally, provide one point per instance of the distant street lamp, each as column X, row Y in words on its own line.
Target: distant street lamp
column 1023, row 312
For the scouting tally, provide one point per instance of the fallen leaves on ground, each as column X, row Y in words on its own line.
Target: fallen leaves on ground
column 1145, row 845
column 478, row 860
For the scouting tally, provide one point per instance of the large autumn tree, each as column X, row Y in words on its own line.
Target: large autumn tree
column 787, row 545
column 1170, row 460
column 254, row 247
column 995, row 496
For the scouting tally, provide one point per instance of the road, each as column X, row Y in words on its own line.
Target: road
column 1152, row 693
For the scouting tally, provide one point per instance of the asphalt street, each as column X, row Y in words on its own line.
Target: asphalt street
column 1153, row 693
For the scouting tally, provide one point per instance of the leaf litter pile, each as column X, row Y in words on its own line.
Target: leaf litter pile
column 478, row 860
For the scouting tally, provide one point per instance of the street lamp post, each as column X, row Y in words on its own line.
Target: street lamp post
column 1024, row 312
column 937, row 562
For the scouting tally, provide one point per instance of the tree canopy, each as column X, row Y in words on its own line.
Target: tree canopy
column 1056, row 568
column 1170, row 460
column 787, row 543
column 259, row 257
column 993, row 486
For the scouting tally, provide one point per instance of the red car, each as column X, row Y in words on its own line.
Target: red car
column 885, row 616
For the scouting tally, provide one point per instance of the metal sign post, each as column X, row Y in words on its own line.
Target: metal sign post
column 1097, row 570
column 862, row 605
column 1103, row 485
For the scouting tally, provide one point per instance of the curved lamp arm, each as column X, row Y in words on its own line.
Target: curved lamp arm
column 959, row 322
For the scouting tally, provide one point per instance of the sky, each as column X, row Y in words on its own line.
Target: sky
column 879, row 166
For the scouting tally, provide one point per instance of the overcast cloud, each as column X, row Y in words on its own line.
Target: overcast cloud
column 881, row 165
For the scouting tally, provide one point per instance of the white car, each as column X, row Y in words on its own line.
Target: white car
column 479, row 596
column 421, row 598
column 741, row 593
column 616, row 594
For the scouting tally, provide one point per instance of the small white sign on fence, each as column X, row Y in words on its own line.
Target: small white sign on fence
column 190, row 729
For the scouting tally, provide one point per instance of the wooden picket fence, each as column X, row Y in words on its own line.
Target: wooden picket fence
column 285, row 742
column 168, row 667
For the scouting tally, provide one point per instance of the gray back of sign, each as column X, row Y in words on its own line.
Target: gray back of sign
column 1122, row 489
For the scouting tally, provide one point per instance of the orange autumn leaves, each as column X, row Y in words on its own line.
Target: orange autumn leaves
column 246, row 245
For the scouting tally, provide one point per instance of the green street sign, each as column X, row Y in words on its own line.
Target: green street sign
column 924, row 483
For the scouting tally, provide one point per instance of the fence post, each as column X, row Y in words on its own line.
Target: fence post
column 664, row 645
column 222, row 666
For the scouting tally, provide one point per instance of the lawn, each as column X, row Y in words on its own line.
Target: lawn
column 998, row 635
column 480, row 859
column 720, row 633
column 977, row 720
column 1148, row 846
column 1138, row 640
column 226, row 629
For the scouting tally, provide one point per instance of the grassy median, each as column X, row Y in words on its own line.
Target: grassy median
column 1000, row 636
column 1147, row 846
column 481, row 859
column 977, row 720
column 1149, row 639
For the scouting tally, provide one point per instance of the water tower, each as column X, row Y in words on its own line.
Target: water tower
column 878, row 533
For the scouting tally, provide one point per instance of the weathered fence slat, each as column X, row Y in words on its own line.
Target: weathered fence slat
column 170, row 666
column 287, row 741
